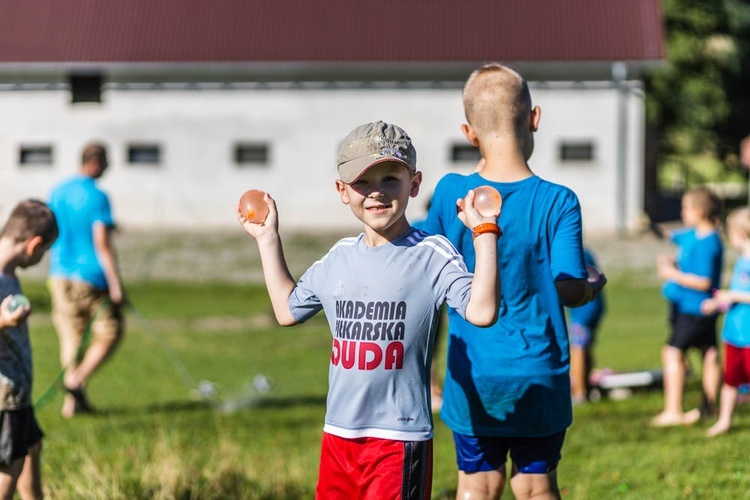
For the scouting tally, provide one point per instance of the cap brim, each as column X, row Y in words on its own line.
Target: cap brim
column 353, row 170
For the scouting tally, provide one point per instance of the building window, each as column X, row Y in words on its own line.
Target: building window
column 465, row 153
column 248, row 154
column 144, row 154
column 35, row 155
column 85, row 88
column 582, row 151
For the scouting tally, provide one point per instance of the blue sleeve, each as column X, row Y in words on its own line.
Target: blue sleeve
column 566, row 250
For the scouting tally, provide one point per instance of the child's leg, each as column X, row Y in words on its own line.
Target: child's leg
column 726, row 408
column 483, row 485
column 30, row 480
column 9, row 477
column 580, row 361
column 711, row 377
column 538, row 486
column 673, row 360
column 578, row 373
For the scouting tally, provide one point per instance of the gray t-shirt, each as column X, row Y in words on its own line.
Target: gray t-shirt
column 15, row 356
column 382, row 305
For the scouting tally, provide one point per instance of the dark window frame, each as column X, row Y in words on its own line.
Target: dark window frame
column 578, row 151
column 31, row 155
column 251, row 154
column 464, row 153
column 85, row 88
column 144, row 153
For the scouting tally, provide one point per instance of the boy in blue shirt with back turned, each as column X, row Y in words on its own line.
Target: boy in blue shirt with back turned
column 507, row 387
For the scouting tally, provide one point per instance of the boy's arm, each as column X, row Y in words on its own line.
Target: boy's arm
column 732, row 297
column 575, row 293
column 668, row 271
column 108, row 259
column 279, row 281
column 482, row 308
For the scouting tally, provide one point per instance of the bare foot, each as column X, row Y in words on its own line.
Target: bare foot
column 691, row 417
column 718, row 428
column 664, row 419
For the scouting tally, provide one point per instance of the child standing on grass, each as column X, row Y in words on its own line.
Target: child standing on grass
column 507, row 389
column 688, row 281
column 28, row 234
column 583, row 324
column 736, row 331
column 381, row 292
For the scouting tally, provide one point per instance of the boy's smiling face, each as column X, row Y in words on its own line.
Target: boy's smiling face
column 379, row 198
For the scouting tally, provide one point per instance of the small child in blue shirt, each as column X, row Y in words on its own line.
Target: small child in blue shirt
column 688, row 281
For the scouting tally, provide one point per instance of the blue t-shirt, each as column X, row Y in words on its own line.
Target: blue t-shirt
column 511, row 379
column 702, row 255
column 736, row 330
column 78, row 204
column 590, row 313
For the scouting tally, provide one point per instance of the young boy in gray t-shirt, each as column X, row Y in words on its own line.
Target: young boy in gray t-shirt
column 381, row 292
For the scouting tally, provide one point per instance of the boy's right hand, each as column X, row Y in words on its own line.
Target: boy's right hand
column 268, row 227
column 666, row 267
column 11, row 319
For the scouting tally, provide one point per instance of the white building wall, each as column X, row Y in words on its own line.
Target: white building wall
column 197, row 184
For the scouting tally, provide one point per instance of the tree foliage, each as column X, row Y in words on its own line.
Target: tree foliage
column 688, row 100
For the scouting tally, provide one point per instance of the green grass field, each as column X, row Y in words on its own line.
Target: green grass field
column 152, row 439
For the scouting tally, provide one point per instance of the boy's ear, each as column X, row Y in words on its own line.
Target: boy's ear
column 33, row 243
column 470, row 134
column 534, row 117
column 341, row 188
column 416, row 181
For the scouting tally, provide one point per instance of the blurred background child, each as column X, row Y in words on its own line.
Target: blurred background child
column 583, row 323
column 688, row 281
column 736, row 330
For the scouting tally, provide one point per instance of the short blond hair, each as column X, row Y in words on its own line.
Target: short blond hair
column 739, row 220
column 496, row 98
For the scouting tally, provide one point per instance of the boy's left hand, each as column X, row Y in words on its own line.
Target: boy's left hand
column 11, row 319
column 469, row 215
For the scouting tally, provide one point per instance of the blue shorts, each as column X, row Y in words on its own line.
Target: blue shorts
column 531, row 455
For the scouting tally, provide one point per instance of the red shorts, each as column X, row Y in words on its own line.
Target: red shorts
column 374, row 469
column 736, row 365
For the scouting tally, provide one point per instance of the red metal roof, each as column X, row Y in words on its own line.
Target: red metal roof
column 202, row 31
